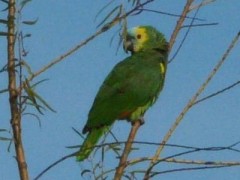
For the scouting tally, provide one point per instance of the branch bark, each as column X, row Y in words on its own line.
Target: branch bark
column 123, row 160
column 13, row 94
column 179, row 23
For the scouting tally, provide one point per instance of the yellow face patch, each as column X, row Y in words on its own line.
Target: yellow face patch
column 141, row 37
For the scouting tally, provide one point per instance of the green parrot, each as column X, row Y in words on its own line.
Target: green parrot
column 130, row 88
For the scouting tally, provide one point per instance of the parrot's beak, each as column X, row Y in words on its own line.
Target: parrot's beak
column 128, row 44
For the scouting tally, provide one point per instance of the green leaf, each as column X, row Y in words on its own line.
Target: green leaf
column 37, row 106
column 135, row 2
column 115, row 148
column 30, row 22
column 5, row 1
column 112, row 38
column 3, row 21
column 43, row 102
column 34, row 115
column 102, row 9
column 27, row 35
column 39, row 82
column 3, row 33
column 25, row 64
column 85, row 171
column 3, row 91
column 4, row 68
column 5, row 9
column 5, row 139
column 123, row 35
column 110, row 14
column 76, row 131
column 31, row 96
column 34, row 97
column 23, row 3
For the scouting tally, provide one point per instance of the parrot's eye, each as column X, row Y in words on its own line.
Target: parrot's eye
column 139, row 36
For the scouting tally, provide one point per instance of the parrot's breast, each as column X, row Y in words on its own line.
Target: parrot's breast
column 139, row 112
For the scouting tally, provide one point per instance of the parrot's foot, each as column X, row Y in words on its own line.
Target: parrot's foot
column 141, row 120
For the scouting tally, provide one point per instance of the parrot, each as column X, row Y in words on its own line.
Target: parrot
column 131, row 87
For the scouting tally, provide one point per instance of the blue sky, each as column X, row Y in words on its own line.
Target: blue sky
column 73, row 84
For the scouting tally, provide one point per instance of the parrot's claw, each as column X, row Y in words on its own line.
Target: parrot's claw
column 141, row 120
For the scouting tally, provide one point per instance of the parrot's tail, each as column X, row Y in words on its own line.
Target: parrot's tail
column 90, row 142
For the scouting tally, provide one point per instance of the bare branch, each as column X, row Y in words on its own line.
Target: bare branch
column 218, row 92
column 63, row 56
column 201, row 162
column 199, row 25
column 54, row 164
column 179, row 24
column 13, row 94
column 188, row 161
column 185, row 37
column 188, row 169
column 204, row 3
column 123, row 160
column 171, row 14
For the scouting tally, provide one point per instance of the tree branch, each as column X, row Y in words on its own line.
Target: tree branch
column 179, row 24
column 217, row 93
column 188, row 169
column 203, row 3
column 54, row 164
column 188, row 161
column 123, row 160
column 13, row 94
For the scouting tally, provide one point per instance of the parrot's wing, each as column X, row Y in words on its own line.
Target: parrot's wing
column 132, row 83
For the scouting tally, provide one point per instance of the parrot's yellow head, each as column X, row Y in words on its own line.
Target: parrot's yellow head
column 144, row 38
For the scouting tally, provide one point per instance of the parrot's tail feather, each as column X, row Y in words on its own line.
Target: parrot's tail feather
column 90, row 142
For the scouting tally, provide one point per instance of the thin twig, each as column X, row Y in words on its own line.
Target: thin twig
column 3, row 91
column 217, row 93
column 171, row 14
column 64, row 56
column 54, row 164
column 187, row 169
column 184, row 38
column 166, row 145
column 123, row 160
column 179, row 24
column 191, row 150
column 199, row 25
column 204, row 3
column 200, row 162
column 187, row 161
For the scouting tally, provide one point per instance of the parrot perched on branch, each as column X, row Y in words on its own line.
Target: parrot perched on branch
column 130, row 88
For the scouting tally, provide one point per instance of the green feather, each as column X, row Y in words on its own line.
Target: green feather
column 89, row 143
